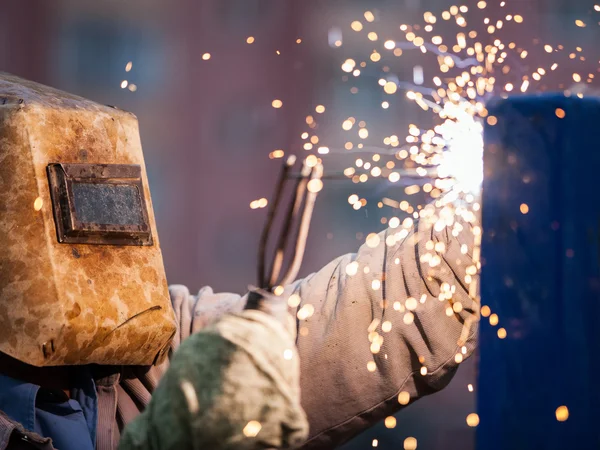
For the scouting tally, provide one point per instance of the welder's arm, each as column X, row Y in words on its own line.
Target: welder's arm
column 340, row 395
column 345, row 388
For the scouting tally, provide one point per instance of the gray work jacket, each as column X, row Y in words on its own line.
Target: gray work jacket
column 345, row 386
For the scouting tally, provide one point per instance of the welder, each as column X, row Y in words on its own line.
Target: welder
column 91, row 336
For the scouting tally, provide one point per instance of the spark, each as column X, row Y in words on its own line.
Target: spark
column 356, row 25
column 275, row 154
column 404, row 398
column 38, row 204
column 191, row 397
column 315, row 185
column 260, row 203
column 390, row 422
column 390, row 87
column 348, row 65
column 410, row 443
column 352, row 268
column 473, row 420
column 305, row 312
column 294, row 301
column 562, row 413
column 252, row 428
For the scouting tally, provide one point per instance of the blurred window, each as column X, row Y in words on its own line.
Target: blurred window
column 92, row 52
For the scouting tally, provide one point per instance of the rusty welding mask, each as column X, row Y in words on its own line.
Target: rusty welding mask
column 81, row 272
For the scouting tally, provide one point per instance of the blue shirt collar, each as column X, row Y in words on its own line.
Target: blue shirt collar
column 17, row 400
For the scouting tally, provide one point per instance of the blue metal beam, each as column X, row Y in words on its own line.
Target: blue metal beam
column 540, row 275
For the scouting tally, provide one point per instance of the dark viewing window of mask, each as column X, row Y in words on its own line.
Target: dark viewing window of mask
column 107, row 204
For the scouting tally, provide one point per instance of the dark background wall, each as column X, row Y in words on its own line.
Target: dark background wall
column 208, row 126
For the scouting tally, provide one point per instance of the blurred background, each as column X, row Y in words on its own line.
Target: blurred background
column 203, row 93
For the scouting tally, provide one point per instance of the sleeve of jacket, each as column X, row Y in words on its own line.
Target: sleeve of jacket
column 394, row 318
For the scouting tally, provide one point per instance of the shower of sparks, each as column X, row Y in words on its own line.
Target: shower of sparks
column 443, row 156
column 475, row 66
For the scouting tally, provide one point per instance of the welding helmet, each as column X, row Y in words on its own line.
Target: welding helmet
column 81, row 272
